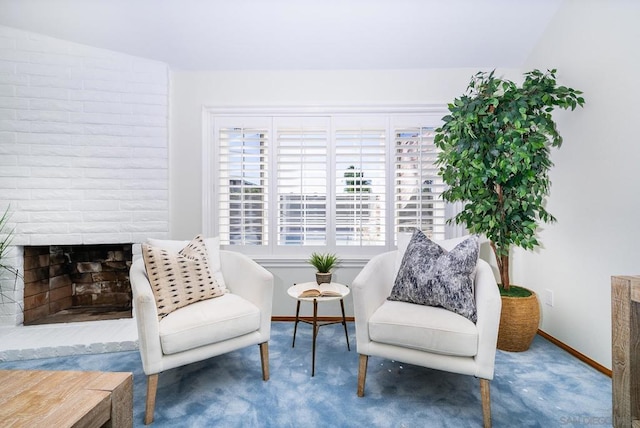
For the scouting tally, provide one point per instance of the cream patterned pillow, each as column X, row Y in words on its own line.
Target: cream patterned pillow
column 213, row 251
column 179, row 279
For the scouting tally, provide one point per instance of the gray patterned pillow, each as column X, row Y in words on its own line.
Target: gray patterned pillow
column 431, row 276
column 179, row 279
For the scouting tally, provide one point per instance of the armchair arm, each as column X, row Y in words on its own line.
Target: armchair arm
column 488, row 305
column 370, row 289
column 146, row 315
column 246, row 278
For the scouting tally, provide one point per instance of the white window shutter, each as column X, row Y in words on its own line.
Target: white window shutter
column 301, row 183
column 347, row 182
column 360, row 181
column 243, row 181
column 417, row 185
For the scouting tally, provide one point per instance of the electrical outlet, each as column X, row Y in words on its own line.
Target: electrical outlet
column 548, row 297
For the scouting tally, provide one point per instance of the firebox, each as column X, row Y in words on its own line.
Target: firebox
column 70, row 283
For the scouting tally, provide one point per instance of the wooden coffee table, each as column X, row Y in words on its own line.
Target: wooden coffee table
column 36, row 398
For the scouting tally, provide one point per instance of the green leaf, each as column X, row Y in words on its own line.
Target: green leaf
column 498, row 136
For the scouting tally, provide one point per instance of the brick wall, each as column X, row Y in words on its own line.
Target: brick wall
column 83, row 145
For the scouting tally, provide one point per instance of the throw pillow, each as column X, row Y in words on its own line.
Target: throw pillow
column 429, row 275
column 405, row 237
column 179, row 279
column 213, row 251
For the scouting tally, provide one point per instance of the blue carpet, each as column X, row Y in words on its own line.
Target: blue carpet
column 543, row 387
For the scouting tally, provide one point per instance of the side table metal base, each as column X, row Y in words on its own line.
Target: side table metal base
column 316, row 326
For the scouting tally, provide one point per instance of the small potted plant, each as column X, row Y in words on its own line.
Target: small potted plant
column 323, row 262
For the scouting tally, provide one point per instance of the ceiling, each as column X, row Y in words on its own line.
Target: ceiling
column 296, row 34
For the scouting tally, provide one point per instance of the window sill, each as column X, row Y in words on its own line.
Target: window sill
column 284, row 262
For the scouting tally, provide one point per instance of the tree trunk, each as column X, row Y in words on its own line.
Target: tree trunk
column 502, row 260
column 503, row 267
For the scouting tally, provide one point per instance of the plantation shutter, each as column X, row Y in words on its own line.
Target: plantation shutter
column 360, row 181
column 346, row 182
column 301, row 182
column 243, row 180
column 417, row 186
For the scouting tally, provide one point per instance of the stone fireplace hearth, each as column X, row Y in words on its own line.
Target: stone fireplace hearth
column 70, row 283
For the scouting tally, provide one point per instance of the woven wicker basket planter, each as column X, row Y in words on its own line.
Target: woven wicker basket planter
column 519, row 322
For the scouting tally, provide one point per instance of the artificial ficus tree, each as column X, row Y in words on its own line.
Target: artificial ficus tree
column 495, row 157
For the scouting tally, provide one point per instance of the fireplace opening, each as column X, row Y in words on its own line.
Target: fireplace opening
column 73, row 283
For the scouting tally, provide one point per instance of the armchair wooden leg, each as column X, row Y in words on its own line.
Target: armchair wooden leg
column 264, row 358
column 152, row 387
column 362, row 373
column 486, row 402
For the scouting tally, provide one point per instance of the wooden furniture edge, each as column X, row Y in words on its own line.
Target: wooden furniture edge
column 75, row 398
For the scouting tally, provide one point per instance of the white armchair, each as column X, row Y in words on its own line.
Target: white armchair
column 423, row 335
column 207, row 328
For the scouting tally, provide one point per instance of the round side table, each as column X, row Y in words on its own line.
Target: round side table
column 295, row 290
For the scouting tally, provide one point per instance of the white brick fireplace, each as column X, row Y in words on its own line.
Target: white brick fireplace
column 83, row 148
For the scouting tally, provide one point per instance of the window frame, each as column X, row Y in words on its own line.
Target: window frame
column 281, row 254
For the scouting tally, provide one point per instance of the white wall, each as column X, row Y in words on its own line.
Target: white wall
column 595, row 192
column 191, row 91
column 84, row 135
